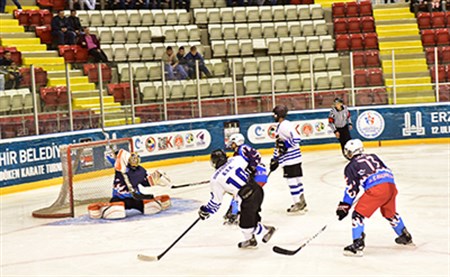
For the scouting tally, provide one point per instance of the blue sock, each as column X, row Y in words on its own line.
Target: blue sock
column 397, row 224
column 358, row 225
column 234, row 207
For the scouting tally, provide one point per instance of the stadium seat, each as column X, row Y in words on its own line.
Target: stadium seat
column 338, row 9
column 428, row 38
column 265, row 84
column 424, row 20
column 273, row 46
column 365, row 8
column 252, row 14
column 22, row 16
column 214, row 16
column 438, row 20
column 307, row 28
column 441, row 73
column 445, row 54
column 333, row 61
column 287, row 46
column 356, row 41
column 375, row 77
column 359, row 59
column 316, row 11
column 255, row 30
column 351, row 9
column 354, row 25
column 227, row 15
column 281, row 83
column 320, row 27
column 447, row 19
column 251, row 85
column 227, row 31
column 300, row 45
column 340, row 25
column 360, row 78
column 240, row 15
column 242, row 31
column 292, row 65
column 294, row 28
column 342, row 42
column 303, row 12
column 294, row 82
column 336, row 80
column 278, row 13
column 372, row 58
column 44, row 33
column 282, row 29
column 442, row 36
column 367, row 24
column 265, row 14
column 68, row 52
column 370, row 41
column 313, row 44
column 268, row 30
column 290, row 13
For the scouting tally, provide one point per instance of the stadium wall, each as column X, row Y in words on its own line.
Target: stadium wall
column 34, row 161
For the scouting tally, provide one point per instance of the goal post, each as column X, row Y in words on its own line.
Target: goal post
column 87, row 176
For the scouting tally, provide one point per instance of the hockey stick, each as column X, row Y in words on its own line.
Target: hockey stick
column 148, row 258
column 283, row 251
column 189, row 184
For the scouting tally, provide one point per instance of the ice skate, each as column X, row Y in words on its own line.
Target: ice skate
column 355, row 249
column 251, row 243
column 230, row 218
column 299, row 207
column 405, row 238
column 268, row 235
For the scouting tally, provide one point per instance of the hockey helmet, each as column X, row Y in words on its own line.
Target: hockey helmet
column 353, row 147
column 338, row 100
column 237, row 139
column 134, row 159
column 218, row 158
column 280, row 111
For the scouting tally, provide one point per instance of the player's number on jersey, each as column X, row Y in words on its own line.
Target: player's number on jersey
column 240, row 173
column 371, row 163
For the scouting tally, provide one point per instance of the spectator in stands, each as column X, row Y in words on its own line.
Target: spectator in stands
column 437, row 6
column 9, row 71
column 91, row 42
column 193, row 56
column 122, row 4
column 231, row 3
column 61, row 30
column 181, row 56
column 171, row 65
column 89, row 3
column 3, row 5
column 74, row 23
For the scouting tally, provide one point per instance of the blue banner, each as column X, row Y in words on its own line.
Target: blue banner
column 36, row 158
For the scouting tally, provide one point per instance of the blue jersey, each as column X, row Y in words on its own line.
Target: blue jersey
column 250, row 155
column 366, row 170
column 136, row 176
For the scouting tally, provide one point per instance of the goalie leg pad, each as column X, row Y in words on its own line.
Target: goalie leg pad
column 114, row 210
column 157, row 204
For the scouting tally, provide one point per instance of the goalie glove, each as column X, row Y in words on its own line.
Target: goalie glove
column 159, row 178
column 342, row 210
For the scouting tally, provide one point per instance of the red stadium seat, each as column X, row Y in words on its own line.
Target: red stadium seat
column 49, row 96
column 360, row 77
column 351, row 9
column 372, row 58
column 22, row 16
column 447, row 19
column 365, row 8
column 342, row 42
column 367, row 24
column 67, row 52
column 338, row 9
column 81, row 54
column 324, row 99
column 364, row 97
column 370, row 41
column 380, row 96
column 63, row 98
column 429, row 54
column 375, row 77
column 340, row 25
column 45, row 3
column 445, row 54
column 59, row 5
column 46, row 16
column 358, row 59
column 356, row 42
column 441, row 73
column 424, row 20
column 442, row 37
column 35, row 18
column 438, row 20
column 45, row 34
column 354, row 25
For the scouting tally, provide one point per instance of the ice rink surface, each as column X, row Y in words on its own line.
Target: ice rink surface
column 83, row 247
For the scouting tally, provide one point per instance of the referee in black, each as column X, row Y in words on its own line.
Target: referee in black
column 340, row 122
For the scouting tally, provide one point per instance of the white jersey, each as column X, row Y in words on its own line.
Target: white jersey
column 229, row 178
column 286, row 132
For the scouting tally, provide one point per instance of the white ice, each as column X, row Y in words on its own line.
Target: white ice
column 32, row 247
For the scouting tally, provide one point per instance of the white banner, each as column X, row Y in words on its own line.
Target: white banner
column 307, row 129
column 173, row 142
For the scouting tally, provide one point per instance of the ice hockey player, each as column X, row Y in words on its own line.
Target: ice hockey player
column 252, row 157
column 287, row 154
column 128, row 179
column 377, row 180
column 230, row 177
column 340, row 122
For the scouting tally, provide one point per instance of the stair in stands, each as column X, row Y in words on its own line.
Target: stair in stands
column 397, row 31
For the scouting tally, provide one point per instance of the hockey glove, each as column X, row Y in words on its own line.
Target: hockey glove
column 274, row 164
column 281, row 146
column 203, row 213
column 342, row 210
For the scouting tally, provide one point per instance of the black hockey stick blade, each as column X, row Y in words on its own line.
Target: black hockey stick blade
column 189, row 184
column 283, row 251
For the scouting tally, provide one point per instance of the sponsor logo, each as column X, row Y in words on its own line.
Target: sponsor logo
column 165, row 143
column 319, row 127
column 410, row 128
column 150, row 144
column 138, row 144
column 370, row 124
column 201, row 138
column 178, row 141
column 307, row 130
column 189, row 139
column 272, row 131
column 259, row 131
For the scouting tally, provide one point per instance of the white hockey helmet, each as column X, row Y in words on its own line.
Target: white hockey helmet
column 237, row 138
column 353, row 147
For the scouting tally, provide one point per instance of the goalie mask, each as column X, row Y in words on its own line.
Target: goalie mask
column 353, row 147
column 218, row 158
column 134, row 160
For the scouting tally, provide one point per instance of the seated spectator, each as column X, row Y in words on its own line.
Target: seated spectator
column 3, row 5
column 231, row 3
column 91, row 42
column 437, row 6
column 181, row 56
column 122, row 4
column 9, row 71
column 171, row 65
column 89, row 3
column 193, row 56
column 61, row 30
column 74, row 22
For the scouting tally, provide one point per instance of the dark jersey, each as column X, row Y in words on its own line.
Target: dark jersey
column 136, row 176
column 366, row 170
column 250, row 155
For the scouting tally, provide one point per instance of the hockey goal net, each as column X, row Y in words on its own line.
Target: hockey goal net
column 87, row 176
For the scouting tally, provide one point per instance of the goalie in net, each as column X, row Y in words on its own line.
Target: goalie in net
column 127, row 193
